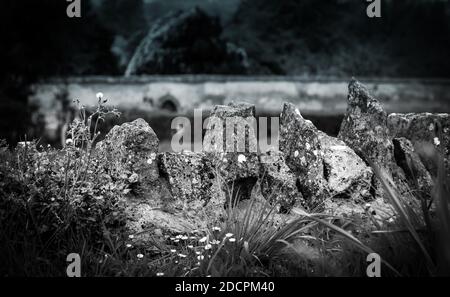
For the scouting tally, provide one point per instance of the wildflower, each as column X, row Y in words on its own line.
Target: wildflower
column 133, row 178
column 296, row 154
column 173, row 251
column 436, row 141
column 228, row 235
column 52, row 199
column 69, row 141
column 201, row 257
column 232, row 239
column 203, row 239
column 198, row 253
column 192, row 237
column 190, row 246
column 208, row 275
column 176, row 240
column 241, row 158
column 208, row 247
column 129, row 245
column 140, row 256
column 149, row 161
column 215, row 242
column 216, row 229
column 182, row 255
column 184, row 238
column 131, row 236
column 99, row 96
column 160, row 274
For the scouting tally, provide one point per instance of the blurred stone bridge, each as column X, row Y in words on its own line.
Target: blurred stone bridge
column 182, row 93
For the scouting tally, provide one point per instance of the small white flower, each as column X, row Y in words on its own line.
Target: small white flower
column 296, row 154
column 228, row 235
column 129, row 245
column 131, row 236
column 69, row 141
column 201, row 257
column 184, row 237
column 215, row 242
column 149, row 161
column 241, row 158
column 99, row 95
column 140, row 256
column 190, row 246
column 160, row 274
column 198, row 253
column 52, row 199
column 173, row 251
column 232, row 239
column 203, row 239
column 216, row 229
column 436, row 141
column 182, row 255
column 208, row 247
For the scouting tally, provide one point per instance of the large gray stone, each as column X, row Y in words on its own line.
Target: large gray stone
column 347, row 174
column 129, row 153
column 364, row 129
column 418, row 176
column 231, row 128
column 278, row 183
column 427, row 132
column 300, row 144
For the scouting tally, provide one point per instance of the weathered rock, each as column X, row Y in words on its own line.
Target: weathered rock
column 365, row 130
column 191, row 177
column 364, row 127
column 278, row 183
column 130, row 153
column 425, row 131
column 231, row 128
column 187, row 42
column 346, row 173
column 300, row 143
column 418, row 176
column 238, row 173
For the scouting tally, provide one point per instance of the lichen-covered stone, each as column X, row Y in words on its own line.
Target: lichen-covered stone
column 238, row 173
column 364, row 129
column 424, row 130
column 418, row 176
column 347, row 174
column 300, row 143
column 129, row 152
column 192, row 181
column 278, row 183
column 231, row 128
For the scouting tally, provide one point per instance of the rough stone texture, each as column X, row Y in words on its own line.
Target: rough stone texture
column 364, row 129
column 418, row 176
column 347, row 174
column 231, row 116
column 238, row 173
column 187, row 42
column 278, row 183
column 191, row 178
column 130, row 151
column 300, row 143
column 424, row 130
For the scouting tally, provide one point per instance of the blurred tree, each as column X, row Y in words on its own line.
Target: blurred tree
column 38, row 40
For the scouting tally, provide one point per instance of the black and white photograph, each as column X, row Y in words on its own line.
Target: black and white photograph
column 252, row 140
